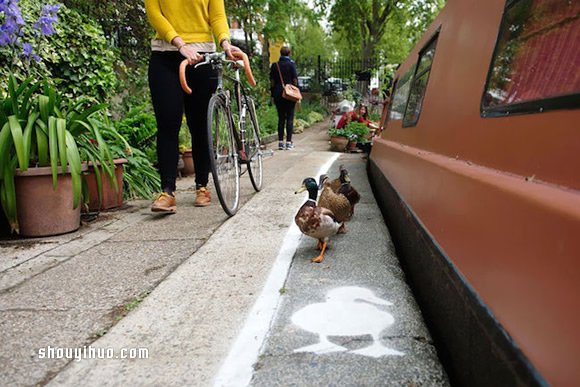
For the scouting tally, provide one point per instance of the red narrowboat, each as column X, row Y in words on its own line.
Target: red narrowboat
column 477, row 172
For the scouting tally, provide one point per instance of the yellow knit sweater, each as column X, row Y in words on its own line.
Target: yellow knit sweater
column 193, row 20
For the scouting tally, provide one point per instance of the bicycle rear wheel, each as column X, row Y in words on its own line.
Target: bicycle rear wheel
column 252, row 145
column 223, row 154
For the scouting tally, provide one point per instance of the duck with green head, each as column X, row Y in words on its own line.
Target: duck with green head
column 314, row 221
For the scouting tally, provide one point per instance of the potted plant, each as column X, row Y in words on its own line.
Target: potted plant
column 185, row 151
column 357, row 133
column 44, row 141
column 338, row 139
column 104, row 192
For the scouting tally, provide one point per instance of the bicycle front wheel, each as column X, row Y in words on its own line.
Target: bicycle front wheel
column 223, row 154
column 252, row 145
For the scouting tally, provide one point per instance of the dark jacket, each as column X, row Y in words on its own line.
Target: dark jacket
column 289, row 73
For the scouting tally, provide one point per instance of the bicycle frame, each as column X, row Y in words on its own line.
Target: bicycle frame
column 239, row 141
column 217, row 60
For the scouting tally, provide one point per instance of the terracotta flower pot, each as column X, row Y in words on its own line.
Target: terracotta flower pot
column 188, row 167
column 112, row 198
column 42, row 210
column 338, row 143
column 352, row 146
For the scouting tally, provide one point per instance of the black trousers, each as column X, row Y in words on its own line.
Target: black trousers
column 169, row 104
column 285, row 110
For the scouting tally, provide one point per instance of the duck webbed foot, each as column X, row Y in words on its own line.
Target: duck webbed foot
column 320, row 258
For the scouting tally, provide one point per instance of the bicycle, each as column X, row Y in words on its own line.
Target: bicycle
column 233, row 139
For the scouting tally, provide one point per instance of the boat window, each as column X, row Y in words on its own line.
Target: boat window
column 419, row 85
column 400, row 95
column 536, row 59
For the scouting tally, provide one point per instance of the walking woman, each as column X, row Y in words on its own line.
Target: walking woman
column 282, row 72
column 185, row 29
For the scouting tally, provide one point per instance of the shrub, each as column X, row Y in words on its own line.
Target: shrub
column 76, row 57
column 335, row 132
column 315, row 117
column 357, row 131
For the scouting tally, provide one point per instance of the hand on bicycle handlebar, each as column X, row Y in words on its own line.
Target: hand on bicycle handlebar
column 229, row 49
column 190, row 54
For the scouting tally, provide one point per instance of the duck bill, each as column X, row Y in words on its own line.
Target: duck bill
column 301, row 189
column 321, row 181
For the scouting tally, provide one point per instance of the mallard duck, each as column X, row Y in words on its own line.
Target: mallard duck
column 337, row 203
column 315, row 221
column 335, row 184
column 348, row 190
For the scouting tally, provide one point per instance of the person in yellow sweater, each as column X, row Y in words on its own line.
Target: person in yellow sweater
column 184, row 29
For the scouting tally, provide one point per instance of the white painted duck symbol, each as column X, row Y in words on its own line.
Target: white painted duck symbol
column 344, row 315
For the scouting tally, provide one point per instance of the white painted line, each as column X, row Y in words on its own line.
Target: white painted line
column 237, row 369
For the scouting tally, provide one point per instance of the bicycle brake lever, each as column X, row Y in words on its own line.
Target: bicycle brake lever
column 182, row 78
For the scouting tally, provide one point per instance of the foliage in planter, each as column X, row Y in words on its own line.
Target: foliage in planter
column 354, row 131
column 336, row 132
column 40, row 127
column 300, row 125
column 76, row 57
column 357, row 131
column 139, row 128
column 268, row 119
column 140, row 178
column 184, row 136
column 314, row 117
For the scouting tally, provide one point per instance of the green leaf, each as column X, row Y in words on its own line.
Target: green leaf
column 78, row 119
column 17, row 137
column 5, row 146
column 62, row 146
column 12, row 94
column 27, row 138
column 8, row 194
column 44, row 105
column 27, row 99
column 53, row 149
column 75, row 167
column 42, row 143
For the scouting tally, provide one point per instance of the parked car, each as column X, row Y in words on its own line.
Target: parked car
column 333, row 86
column 305, row 83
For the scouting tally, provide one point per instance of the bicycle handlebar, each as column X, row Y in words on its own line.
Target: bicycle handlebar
column 208, row 57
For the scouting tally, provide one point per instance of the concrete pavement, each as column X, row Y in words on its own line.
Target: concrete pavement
column 210, row 299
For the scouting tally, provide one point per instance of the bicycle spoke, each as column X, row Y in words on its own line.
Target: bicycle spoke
column 252, row 145
column 223, row 155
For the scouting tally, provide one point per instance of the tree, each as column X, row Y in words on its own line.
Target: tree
column 249, row 15
column 364, row 24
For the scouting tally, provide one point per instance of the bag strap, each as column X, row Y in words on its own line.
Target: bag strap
column 280, row 73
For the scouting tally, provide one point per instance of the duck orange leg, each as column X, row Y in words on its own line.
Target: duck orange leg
column 320, row 258
column 319, row 244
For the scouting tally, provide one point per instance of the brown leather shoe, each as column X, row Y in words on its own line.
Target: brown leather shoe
column 203, row 197
column 164, row 203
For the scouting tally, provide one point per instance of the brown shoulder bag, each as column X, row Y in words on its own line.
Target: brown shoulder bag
column 289, row 91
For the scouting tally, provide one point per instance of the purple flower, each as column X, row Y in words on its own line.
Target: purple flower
column 47, row 18
column 28, row 52
column 13, row 21
column 27, row 49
